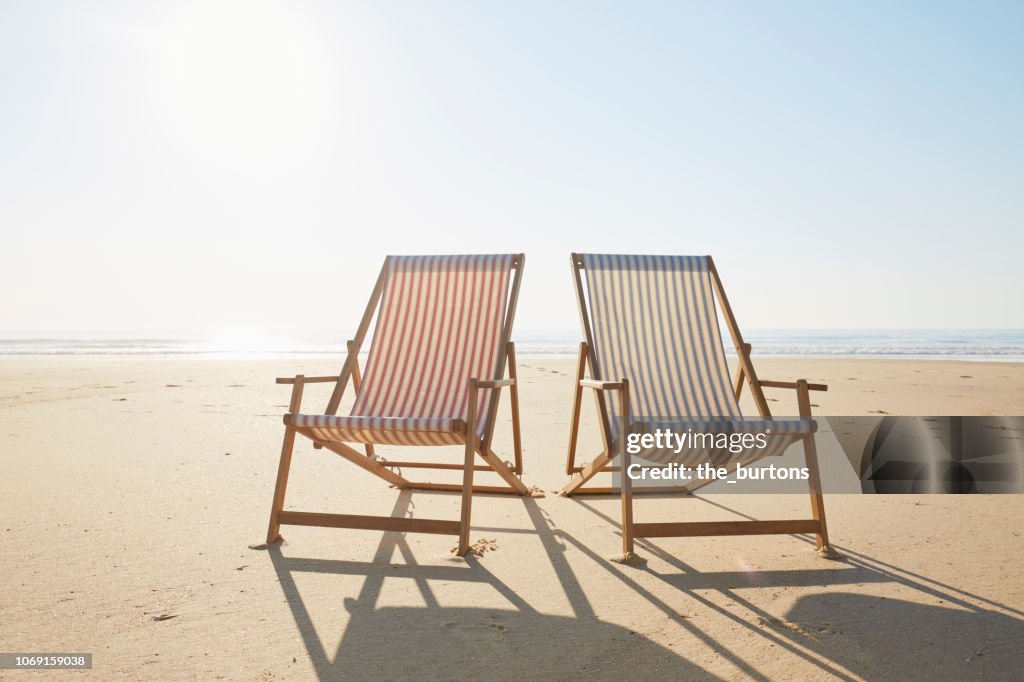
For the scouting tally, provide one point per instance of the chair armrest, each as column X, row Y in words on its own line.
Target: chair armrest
column 792, row 384
column 495, row 383
column 600, row 385
column 305, row 380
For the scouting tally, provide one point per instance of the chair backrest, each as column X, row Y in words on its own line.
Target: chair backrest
column 652, row 320
column 441, row 321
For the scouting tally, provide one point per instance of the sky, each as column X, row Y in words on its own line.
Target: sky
column 248, row 165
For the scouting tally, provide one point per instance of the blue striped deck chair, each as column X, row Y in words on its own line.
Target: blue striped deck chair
column 653, row 349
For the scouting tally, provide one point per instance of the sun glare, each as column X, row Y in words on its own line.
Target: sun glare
column 243, row 80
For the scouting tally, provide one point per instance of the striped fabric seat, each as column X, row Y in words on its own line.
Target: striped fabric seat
column 439, row 324
column 654, row 322
column 398, row 431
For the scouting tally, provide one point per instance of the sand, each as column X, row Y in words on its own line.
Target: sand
column 132, row 489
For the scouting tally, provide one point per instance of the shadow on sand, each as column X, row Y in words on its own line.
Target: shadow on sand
column 840, row 633
column 457, row 643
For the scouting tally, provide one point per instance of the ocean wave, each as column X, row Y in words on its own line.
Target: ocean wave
column 1004, row 345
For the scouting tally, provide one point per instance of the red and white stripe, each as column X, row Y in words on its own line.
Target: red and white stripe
column 439, row 324
column 387, row 430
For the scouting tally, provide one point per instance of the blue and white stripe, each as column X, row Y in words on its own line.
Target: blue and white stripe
column 655, row 323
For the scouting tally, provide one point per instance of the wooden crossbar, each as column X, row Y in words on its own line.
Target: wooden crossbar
column 432, row 465
column 701, row 528
column 401, row 525
column 457, row 487
column 615, row 490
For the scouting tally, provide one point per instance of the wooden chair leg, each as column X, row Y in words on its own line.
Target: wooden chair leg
column 626, row 485
column 467, row 473
column 577, row 399
column 814, row 475
column 627, row 513
column 817, row 499
column 517, row 436
column 284, row 466
column 274, row 529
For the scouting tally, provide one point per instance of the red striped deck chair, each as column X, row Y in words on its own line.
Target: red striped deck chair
column 433, row 375
column 655, row 357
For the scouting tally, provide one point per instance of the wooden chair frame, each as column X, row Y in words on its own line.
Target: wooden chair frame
column 474, row 444
column 582, row 474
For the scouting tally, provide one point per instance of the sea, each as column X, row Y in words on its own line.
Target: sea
column 933, row 344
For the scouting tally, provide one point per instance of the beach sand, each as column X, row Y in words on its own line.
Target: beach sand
column 132, row 489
